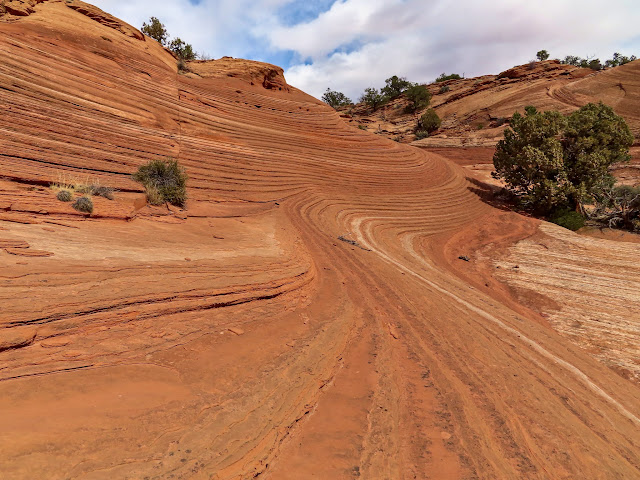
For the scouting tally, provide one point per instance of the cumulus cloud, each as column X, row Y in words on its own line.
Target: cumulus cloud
column 351, row 44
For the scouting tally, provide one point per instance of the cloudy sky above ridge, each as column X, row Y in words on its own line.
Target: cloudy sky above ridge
column 348, row 45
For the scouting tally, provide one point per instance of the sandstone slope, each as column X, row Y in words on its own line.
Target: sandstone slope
column 305, row 317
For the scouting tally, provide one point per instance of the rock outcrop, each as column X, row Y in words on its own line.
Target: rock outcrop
column 305, row 316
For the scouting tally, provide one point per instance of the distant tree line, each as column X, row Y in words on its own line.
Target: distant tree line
column 417, row 96
column 590, row 62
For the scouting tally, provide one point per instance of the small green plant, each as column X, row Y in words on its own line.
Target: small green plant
column 96, row 190
column 184, row 51
column 542, row 55
column 444, row 77
column 373, row 98
column 182, row 66
column 105, row 192
column 335, row 99
column 83, row 204
column 429, row 122
column 445, row 89
column 64, row 196
column 164, row 181
column 420, row 134
column 362, row 127
column 156, row 30
column 395, row 86
column 480, row 126
column 418, row 97
column 569, row 219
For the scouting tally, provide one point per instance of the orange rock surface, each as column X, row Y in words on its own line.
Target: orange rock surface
column 306, row 316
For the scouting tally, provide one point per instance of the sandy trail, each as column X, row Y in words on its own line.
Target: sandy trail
column 241, row 338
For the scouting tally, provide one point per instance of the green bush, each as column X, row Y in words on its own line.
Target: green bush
column 105, row 192
column 335, row 99
column 542, row 55
column 156, row 30
column 568, row 219
column 418, row 96
column 164, row 181
column 64, row 196
column 444, row 77
column 373, row 98
column 420, row 134
column 445, row 88
column 429, row 122
column 395, row 86
column 183, row 51
column 83, row 204
column 551, row 162
column 618, row 60
column 96, row 190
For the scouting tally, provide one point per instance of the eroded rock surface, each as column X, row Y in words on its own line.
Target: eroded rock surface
column 238, row 338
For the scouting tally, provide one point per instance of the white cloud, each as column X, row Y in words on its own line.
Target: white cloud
column 421, row 39
column 359, row 43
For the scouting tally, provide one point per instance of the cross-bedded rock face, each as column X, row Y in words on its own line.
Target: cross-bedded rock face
column 240, row 337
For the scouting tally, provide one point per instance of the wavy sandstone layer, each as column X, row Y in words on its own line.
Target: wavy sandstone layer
column 241, row 338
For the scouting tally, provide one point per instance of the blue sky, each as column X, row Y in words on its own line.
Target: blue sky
column 349, row 45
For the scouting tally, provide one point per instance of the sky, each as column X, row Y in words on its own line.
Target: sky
column 348, row 45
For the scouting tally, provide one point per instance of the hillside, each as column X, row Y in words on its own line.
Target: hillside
column 475, row 111
column 306, row 315
column 473, row 108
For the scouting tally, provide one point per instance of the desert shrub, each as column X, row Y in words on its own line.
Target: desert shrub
column 618, row 60
column 83, row 204
column 96, row 190
column 64, row 196
column 542, row 55
column 395, row 86
column 480, row 126
column 418, row 97
column 335, row 99
column 429, row 122
column 445, row 88
column 444, row 77
column 164, row 181
column 618, row 206
column 156, row 30
column 183, row 51
column 420, row 134
column 373, row 98
column 105, row 192
column 532, row 65
column 592, row 63
column 182, row 66
column 362, row 127
column 568, row 219
column 551, row 162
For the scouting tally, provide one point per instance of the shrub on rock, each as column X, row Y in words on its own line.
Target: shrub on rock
column 430, row 121
column 551, row 162
column 64, row 196
column 83, row 204
column 418, row 96
column 164, row 181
